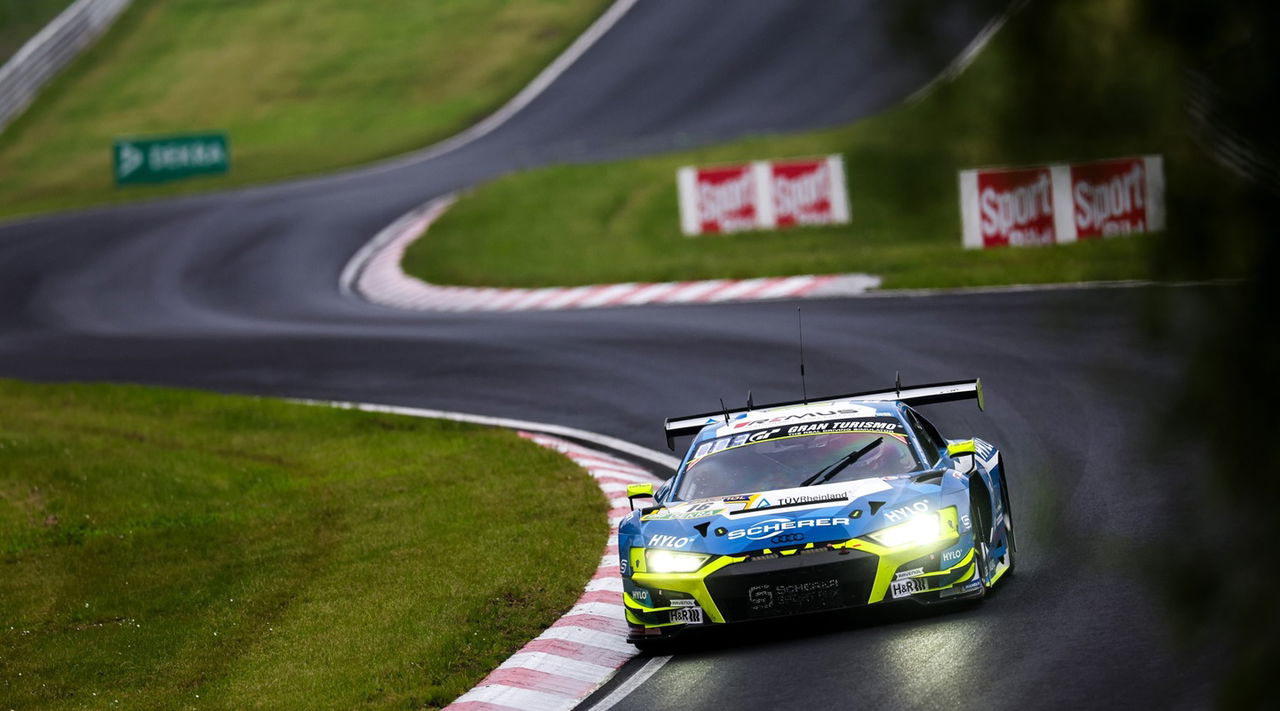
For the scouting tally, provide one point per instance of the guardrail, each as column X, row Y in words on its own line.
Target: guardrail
column 50, row 50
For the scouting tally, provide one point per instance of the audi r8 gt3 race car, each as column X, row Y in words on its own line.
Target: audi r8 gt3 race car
column 815, row 505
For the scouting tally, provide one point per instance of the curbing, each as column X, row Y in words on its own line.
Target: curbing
column 588, row 644
column 374, row 272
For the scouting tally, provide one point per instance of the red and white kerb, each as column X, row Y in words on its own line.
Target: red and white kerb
column 581, row 650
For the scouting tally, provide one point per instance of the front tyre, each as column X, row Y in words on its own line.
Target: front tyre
column 1012, row 541
column 981, row 536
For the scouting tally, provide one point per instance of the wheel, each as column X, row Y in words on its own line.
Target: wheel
column 1010, row 554
column 981, row 535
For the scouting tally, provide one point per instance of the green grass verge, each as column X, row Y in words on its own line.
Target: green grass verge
column 301, row 86
column 1062, row 81
column 166, row 549
column 20, row 20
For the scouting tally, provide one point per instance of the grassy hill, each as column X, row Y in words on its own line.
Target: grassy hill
column 1061, row 82
column 164, row 549
column 301, row 86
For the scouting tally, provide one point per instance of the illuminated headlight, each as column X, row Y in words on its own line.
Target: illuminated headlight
column 919, row 530
column 660, row 561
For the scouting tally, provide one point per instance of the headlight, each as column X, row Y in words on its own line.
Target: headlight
column 919, row 530
column 661, row 561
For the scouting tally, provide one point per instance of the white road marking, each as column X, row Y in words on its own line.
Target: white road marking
column 375, row 273
column 618, row 445
column 632, row 683
column 971, row 51
column 576, row 627
column 559, row 66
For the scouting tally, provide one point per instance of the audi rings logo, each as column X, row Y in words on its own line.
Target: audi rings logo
column 787, row 538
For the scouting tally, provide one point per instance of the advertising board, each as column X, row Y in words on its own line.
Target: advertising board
column 1061, row 203
column 762, row 195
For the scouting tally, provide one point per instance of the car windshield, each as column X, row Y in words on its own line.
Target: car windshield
column 782, row 458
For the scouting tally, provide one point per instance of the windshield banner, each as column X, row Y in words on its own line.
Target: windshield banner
column 887, row 425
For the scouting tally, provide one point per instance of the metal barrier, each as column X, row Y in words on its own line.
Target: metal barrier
column 49, row 51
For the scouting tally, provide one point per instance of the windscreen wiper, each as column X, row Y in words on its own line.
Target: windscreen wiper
column 825, row 473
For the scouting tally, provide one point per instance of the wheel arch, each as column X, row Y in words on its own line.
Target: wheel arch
column 980, row 498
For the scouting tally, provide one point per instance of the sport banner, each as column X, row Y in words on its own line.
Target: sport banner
column 721, row 199
column 1115, row 197
column 762, row 195
column 1061, row 203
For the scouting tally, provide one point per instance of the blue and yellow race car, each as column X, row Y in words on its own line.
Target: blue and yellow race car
column 815, row 505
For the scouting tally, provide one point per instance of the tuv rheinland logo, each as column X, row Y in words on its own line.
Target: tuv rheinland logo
column 165, row 158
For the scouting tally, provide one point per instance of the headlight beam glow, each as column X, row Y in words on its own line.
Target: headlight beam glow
column 664, row 561
column 919, row 530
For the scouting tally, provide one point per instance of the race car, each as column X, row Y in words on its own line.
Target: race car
column 815, row 505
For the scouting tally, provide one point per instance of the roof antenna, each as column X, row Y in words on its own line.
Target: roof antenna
column 725, row 410
column 897, row 381
column 804, row 392
column 750, row 403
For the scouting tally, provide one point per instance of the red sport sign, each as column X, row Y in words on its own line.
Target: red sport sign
column 762, row 195
column 1061, row 203
column 808, row 192
column 1110, row 198
column 726, row 199
column 1017, row 207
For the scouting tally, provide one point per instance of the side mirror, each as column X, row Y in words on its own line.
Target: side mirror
column 965, row 447
column 638, row 491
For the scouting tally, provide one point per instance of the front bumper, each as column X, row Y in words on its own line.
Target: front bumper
column 797, row 580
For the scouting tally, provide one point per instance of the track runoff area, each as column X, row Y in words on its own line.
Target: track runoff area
column 582, row 650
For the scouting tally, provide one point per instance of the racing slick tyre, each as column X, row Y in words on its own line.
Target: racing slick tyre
column 981, row 537
column 1011, row 553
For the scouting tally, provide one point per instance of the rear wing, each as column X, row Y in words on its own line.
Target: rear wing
column 912, row 395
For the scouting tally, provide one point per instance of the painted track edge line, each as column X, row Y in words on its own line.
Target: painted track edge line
column 971, row 51
column 387, row 288
column 632, row 683
column 354, row 269
column 1050, row 286
column 640, row 452
column 375, row 274
column 531, row 91
column 561, row 690
column 487, row 125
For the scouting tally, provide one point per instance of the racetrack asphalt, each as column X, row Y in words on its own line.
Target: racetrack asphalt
column 237, row 292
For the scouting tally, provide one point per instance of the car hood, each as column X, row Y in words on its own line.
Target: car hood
column 728, row 525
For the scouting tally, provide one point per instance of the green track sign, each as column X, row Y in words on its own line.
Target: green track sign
column 158, row 159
